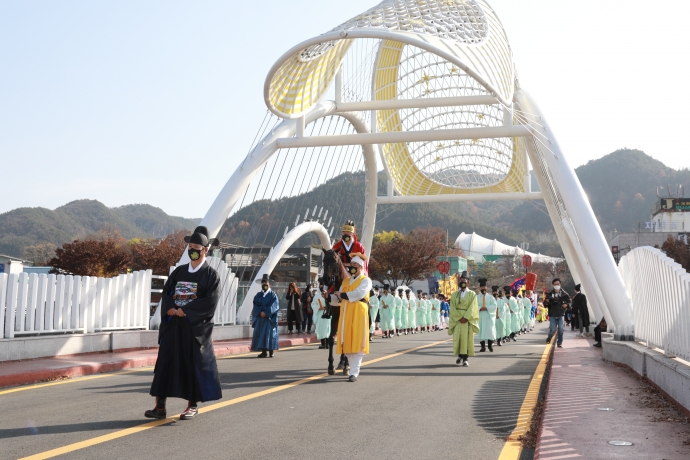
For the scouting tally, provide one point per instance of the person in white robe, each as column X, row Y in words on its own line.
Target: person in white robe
column 487, row 317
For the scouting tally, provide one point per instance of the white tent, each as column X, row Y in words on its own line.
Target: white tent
column 475, row 246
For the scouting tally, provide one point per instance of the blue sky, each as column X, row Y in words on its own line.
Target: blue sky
column 127, row 101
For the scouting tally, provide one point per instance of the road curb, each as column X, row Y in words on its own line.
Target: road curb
column 221, row 349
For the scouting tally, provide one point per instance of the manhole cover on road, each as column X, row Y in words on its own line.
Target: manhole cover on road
column 620, row 443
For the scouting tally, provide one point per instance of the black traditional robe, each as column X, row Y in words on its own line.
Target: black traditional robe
column 186, row 365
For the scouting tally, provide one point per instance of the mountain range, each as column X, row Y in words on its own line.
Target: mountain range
column 24, row 227
column 621, row 186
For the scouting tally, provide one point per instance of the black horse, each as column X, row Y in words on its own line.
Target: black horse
column 333, row 275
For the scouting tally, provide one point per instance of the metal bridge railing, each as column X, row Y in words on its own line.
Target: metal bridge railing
column 660, row 292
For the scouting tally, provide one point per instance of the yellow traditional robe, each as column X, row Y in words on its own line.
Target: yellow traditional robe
column 353, row 332
column 463, row 334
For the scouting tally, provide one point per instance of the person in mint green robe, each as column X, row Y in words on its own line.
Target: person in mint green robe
column 500, row 316
column 514, row 313
column 463, row 321
column 527, row 311
column 421, row 312
column 387, row 312
column 398, row 311
column 427, row 309
column 404, row 318
column 322, row 326
column 411, row 312
column 435, row 312
column 373, row 310
column 487, row 317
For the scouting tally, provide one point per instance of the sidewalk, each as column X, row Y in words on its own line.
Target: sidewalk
column 573, row 426
column 61, row 367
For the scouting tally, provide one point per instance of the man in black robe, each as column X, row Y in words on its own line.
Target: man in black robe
column 581, row 312
column 186, row 365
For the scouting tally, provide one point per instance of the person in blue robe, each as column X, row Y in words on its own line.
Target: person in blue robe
column 265, row 320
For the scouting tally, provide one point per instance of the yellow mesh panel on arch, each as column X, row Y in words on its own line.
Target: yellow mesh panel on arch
column 408, row 179
column 297, row 85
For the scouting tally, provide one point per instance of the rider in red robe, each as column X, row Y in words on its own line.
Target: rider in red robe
column 348, row 244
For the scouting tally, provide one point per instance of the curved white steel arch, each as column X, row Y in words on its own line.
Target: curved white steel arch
column 583, row 221
column 245, row 310
column 243, row 175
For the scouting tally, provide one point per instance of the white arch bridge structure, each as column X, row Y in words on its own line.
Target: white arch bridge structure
column 427, row 89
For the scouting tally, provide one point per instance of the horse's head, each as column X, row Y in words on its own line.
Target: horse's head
column 331, row 262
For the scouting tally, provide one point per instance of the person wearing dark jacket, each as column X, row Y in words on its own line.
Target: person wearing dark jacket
column 306, row 309
column 557, row 302
column 602, row 327
column 580, row 311
column 186, row 364
column 294, row 308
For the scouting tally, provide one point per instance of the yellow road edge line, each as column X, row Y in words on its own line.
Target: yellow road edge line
column 146, row 426
column 513, row 446
column 112, row 374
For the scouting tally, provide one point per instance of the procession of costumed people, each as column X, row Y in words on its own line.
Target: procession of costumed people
column 345, row 318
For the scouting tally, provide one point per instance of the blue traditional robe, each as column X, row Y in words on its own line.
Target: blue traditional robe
column 265, row 335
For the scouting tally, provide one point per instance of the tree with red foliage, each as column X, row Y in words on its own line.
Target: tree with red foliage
column 678, row 251
column 411, row 257
column 104, row 254
column 158, row 255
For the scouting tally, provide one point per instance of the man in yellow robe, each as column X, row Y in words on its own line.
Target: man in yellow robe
column 463, row 321
column 353, row 331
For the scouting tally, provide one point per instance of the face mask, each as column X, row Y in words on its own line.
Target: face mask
column 556, row 288
column 463, row 285
column 352, row 270
column 194, row 254
column 264, row 287
column 347, row 238
column 483, row 291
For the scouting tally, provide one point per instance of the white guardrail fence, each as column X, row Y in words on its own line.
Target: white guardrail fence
column 660, row 292
column 33, row 303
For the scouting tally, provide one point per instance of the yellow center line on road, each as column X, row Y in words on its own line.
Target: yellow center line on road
column 113, row 374
column 513, row 446
column 146, row 426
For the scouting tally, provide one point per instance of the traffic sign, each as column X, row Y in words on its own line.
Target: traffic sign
column 444, row 267
column 527, row 261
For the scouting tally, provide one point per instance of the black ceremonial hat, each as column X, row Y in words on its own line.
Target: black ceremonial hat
column 264, row 279
column 494, row 288
column 419, row 291
column 577, row 287
column 386, row 287
column 400, row 289
column 464, row 275
column 482, row 282
column 506, row 288
column 200, row 236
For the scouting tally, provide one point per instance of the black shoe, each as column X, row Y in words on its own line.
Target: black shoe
column 548, row 340
column 458, row 361
column 559, row 346
column 157, row 412
column 491, row 348
column 263, row 354
column 270, row 353
column 598, row 345
column 189, row 413
column 482, row 350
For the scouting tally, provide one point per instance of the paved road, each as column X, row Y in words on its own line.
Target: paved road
column 413, row 405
